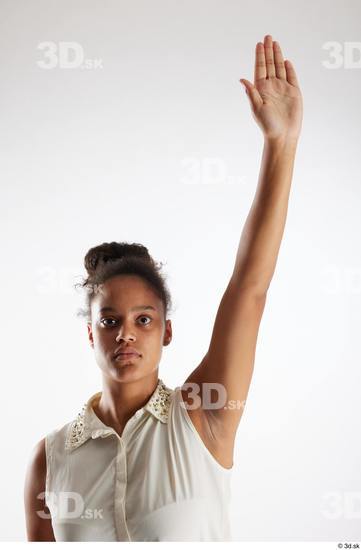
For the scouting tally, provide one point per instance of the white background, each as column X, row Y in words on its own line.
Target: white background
column 125, row 152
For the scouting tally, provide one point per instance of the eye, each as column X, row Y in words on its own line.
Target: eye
column 144, row 317
column 107, row 319
column 104, row 323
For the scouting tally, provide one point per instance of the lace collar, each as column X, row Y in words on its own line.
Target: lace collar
column 87, row 424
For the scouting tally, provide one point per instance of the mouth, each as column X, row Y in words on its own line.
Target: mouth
column 126, row 350
column 125, row 356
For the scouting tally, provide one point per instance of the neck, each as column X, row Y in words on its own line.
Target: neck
column 120, row 400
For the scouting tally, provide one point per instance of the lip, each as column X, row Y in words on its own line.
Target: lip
column 126, row 352
column 126, row 356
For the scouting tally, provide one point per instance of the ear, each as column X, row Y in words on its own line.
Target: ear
column 167, row 333
column 90, row 334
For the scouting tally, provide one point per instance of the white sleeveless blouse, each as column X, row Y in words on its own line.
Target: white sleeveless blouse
column 157, row 482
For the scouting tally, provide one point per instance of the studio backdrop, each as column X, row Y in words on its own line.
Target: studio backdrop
column 127, row 121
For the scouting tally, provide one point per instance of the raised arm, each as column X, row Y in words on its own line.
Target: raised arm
column 276, row 104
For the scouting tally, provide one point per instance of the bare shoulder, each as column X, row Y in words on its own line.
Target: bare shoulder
column 37, row 515
column 218, row 443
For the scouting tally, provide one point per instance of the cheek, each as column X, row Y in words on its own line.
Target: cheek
column 103, row 338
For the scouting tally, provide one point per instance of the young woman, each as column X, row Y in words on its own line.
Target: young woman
column 144, row 462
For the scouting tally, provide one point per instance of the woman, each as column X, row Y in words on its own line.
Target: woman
column 143, row 462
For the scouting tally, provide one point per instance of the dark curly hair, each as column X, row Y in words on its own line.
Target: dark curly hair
column 111, row 259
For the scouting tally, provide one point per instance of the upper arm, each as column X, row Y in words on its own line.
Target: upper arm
column 37, row 515
column 230, row 358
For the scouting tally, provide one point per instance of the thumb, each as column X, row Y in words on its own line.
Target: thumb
column 252, row 92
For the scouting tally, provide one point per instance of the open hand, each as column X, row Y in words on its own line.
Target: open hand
column 275, row 97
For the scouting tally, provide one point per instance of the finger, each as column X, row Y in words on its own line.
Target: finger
column 253, row 94
column 260, row 63
column 279, row 61
column 291, row 73
column 268, row 48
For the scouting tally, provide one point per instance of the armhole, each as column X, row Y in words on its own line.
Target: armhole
column 186, row 416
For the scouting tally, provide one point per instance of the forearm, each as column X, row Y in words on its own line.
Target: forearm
column 263, row 230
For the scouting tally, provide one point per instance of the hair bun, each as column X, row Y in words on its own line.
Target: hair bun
column 113, row 251
column 108, row 260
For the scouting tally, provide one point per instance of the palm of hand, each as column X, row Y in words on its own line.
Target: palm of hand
column 275, row 97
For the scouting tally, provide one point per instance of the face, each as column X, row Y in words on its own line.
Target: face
column 125, row 313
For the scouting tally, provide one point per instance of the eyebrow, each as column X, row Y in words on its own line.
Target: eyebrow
column 136, row 308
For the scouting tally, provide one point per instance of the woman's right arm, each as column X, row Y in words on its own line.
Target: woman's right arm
column 38, row 528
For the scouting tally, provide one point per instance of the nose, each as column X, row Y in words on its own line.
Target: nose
column 124, row 333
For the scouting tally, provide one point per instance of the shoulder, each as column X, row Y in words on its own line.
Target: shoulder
column 35, row 476
column 36, row 470
column 37, row 459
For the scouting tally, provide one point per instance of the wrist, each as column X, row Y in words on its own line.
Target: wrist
column 281, row 142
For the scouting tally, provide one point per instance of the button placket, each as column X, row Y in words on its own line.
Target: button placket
column 120, row 492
